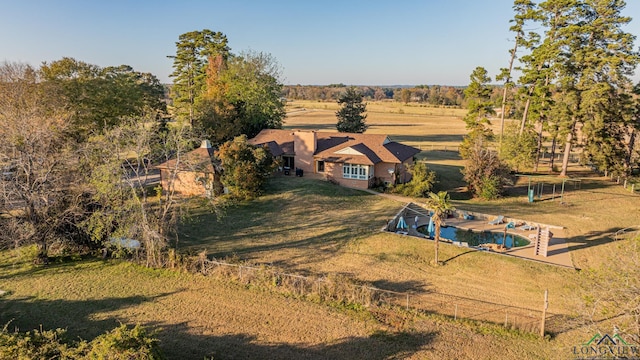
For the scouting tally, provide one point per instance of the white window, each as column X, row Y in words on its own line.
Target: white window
column 355, row 171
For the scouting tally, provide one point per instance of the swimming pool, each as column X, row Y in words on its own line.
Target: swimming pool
column 475, row 238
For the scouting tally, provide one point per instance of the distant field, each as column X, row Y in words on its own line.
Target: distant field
column 420, row 126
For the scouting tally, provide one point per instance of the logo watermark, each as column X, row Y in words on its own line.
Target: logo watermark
column 607, row 347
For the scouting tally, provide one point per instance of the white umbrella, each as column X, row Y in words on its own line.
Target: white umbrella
column 431, row 228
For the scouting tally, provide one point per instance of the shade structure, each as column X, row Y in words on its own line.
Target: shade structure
column 431, row 228
column 401, row 223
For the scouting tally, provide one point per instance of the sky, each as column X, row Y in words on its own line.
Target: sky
column 368, row 42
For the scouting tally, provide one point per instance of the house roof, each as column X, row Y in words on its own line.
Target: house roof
column 368, row 149
column 282, row 138
column 200, row 159
column 274, row 148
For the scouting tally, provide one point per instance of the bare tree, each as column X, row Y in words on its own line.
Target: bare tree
column 34, row 157
column 120, row 163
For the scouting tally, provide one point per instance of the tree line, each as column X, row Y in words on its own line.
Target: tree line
column 436, row 95
column 574, row 93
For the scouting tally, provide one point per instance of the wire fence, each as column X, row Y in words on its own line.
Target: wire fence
column 345, row 291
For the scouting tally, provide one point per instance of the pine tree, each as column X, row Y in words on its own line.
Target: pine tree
column 351, row 116
column 194, row 51
column 525, row 10
column 478, row 97
column 609, row 58
column 587, row 59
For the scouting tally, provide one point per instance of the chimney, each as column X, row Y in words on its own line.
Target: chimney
column 305, row 144
column 205, row 144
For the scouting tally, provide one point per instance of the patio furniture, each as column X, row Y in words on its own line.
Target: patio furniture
column 527, row 227
column 497, row 221
column 511, row 225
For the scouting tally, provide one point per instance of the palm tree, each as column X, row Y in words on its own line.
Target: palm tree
column 440, row 204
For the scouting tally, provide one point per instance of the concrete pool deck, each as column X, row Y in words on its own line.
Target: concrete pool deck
column 557, row 251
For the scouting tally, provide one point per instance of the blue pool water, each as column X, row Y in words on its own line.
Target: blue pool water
column 475, row 238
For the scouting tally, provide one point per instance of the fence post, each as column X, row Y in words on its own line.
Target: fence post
column 407, row 301
column 544, row 312
column 455, row 312
column 240, row 272
column 625, row 184
column 506, row 318
column 633, row 188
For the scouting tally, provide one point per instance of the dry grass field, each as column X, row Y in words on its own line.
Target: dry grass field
column 311, row 227
column 202, row 317
column 424, row 127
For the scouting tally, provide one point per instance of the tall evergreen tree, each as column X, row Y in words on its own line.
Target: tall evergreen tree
column 589, row 60
column 480, row 106
column 525, row 10
column 194, row 51
column 539, row 71
column 609, row 58
column 351, row 117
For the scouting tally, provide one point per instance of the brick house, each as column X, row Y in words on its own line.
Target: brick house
column 354, row 160
column 196, row 174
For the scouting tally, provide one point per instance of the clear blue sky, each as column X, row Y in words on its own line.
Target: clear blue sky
column 369, row 42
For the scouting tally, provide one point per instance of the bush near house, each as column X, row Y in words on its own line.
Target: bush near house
column 421, row 184
column 246, row 168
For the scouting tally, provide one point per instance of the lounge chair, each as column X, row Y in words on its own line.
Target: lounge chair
column 497, row 221
column 467, row 216
column 511, row 225
column 527, row 227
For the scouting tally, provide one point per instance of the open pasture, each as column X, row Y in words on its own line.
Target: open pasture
column 422, row 127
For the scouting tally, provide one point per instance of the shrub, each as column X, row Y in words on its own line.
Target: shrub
column 126, row 344
column 246, row 168
column 422, row 181
column 485, row 174
column 35, row 344
column 490, row 187
column 119, row 343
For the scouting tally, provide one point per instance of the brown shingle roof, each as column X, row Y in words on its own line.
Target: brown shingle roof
column 400, row 151
column 200, row 159
column 284, row 139
column 274, row 148
column 374, row 148
column 379, row 145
